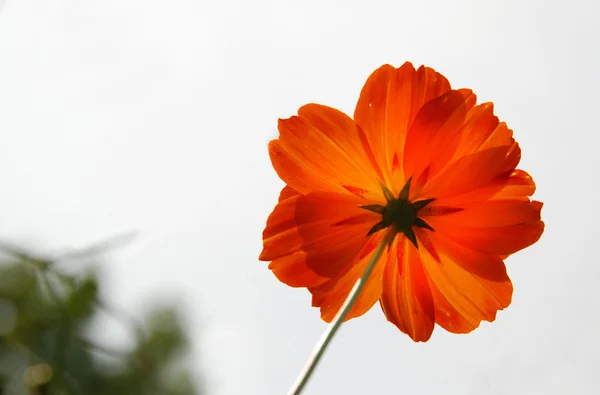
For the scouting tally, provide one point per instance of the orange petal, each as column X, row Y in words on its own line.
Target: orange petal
column 389, row 102
column 467, row 174
column 293, row 173
column 500, row 135
column 448, row 317
column 500, row 227
column 321, row 150
column 448, row 133
column 501, row 240
column 329, row 229
column 484, row 266
column 293, row 271
column 406, row 299
column 287, row 192
column 435, row 133
column 467, row 287
column 517, row 186
column 493, row 213
column 480, row 122
column 330, row 296
column 513, row 157
column 480, row 130
column 348, row 136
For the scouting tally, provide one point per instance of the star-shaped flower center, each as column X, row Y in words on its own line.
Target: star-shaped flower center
column 399, row 212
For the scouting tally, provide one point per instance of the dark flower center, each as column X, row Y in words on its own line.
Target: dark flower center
column 399, row 212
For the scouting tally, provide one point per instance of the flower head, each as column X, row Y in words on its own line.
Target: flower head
column 420, row 161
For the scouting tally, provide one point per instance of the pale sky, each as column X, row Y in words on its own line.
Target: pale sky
column 154, row 116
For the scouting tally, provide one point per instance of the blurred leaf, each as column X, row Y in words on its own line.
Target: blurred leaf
column 80, row 304
column 44, row 351
column 16, row 279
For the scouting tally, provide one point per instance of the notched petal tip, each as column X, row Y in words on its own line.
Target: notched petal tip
column 263, row 256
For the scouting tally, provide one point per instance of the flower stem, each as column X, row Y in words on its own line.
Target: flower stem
column 325, row 339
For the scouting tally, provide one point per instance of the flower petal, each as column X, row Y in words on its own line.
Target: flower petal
column 435, row 133
column 467, row 286
column 448, row 317
column 406, row 299
column 493, row 213
column 500, row 227
column 504, row 240
column 293, row 271
column 287, row 192
column 481, row 130
column 330, row 296
column 485, row 266
column 389, row 102
column 479, row 123
column 321, row 150
column 330, row 230
column 467, row 174
column 517, row 186
column 451, row 134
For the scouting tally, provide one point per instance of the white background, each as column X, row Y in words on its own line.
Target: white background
column 147, row 115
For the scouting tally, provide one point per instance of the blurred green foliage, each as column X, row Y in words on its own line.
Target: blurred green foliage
column 45, row 315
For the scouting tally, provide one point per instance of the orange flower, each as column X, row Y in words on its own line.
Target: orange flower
column 420, row 160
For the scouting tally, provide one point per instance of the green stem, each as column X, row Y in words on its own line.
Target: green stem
column 321, row 346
